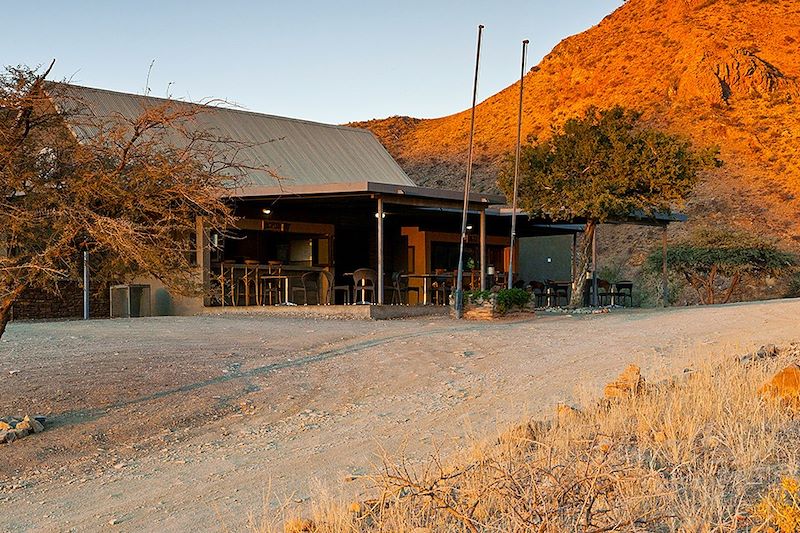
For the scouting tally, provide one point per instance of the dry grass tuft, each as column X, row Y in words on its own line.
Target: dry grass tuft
column 698, row 453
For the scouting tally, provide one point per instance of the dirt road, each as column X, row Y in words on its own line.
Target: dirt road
column 189, row 423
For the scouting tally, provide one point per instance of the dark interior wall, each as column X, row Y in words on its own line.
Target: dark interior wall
column 355, row 240
column 547, row 257
column 353, row 248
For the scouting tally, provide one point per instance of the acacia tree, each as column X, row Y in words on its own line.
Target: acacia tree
column 715, row 260
column 132, row 187
column 604, row 165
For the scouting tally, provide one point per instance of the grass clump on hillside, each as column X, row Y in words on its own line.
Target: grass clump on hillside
column 705, row 452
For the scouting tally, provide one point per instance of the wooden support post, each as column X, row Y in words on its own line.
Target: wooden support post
column 664, row 277
column 380, row 250
column 483, row 249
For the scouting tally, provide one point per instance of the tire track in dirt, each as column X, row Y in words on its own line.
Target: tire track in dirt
column 73, row 418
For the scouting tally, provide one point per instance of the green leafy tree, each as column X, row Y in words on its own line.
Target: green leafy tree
column 602, row 166
column 715, row 260
column 132, row 186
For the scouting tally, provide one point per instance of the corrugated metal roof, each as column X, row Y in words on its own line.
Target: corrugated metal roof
column 301, row 152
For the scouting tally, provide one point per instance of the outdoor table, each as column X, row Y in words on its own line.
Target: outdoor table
column 424, row 278
column 617, row 291
column 281, row 279
column 363, row 292
column 553, row 288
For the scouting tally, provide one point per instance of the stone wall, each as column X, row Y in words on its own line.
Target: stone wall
column 39, row 304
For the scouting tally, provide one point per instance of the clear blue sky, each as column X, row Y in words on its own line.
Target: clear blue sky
column 330, row 61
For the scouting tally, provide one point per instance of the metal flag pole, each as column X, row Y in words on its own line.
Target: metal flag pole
column 85, row 283
column 459, row 303
column 516, row 171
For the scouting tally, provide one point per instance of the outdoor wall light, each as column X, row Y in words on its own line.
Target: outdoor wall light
column 384, row 215
column 469, row 228
column 266, row 211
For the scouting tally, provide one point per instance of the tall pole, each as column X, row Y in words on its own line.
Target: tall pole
column 594, row 267
column 85, row 284
column 459, row 279
column 516, row 171
column 664, row 277
column 483, row 249
column 380, row 250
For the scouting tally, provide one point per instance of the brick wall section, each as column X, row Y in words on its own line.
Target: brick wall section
column 39, row 304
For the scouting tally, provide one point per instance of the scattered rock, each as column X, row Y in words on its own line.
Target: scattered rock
column 25, row 425
column 765, row 352
column 629, row 383
column 12, row 427
column 34, row 423
column 785, row 386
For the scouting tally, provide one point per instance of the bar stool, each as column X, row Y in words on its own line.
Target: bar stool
column 271, row 286
column 226, row 282
column 248, row 279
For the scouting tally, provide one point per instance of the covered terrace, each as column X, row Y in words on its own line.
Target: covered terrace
column 407, row 235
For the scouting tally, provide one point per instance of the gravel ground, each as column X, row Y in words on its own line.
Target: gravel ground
column 198, row 423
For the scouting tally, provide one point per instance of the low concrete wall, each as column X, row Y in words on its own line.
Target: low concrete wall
column 351, row 312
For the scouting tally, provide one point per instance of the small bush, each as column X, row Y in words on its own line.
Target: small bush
column 715, row 261
column 793, row 290
column 504, row 300
column 511, row 298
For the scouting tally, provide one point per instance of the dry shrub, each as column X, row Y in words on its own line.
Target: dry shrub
column 693, row 454
column 780, row 508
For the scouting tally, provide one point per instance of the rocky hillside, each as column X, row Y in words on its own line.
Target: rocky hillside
column 723, row 72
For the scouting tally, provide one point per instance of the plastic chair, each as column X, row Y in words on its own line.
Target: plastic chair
column 604, row 292
column 400, row 287
column 366, row 281
column 556, row 292
column 332, row 290
column 309, row 284
column 539, row 292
